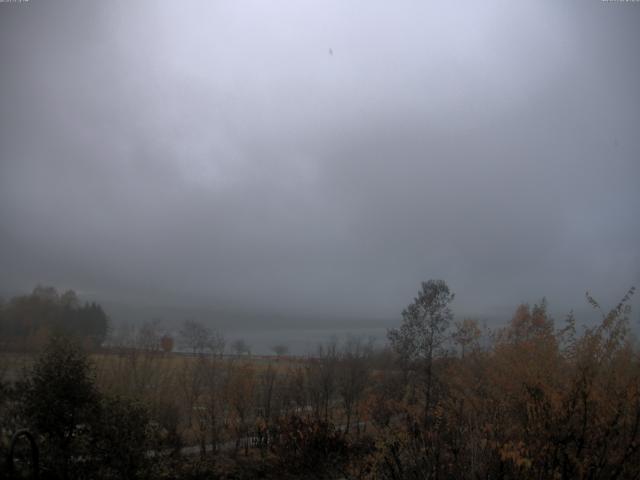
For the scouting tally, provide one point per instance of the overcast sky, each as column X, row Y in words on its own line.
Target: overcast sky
column 321, row 158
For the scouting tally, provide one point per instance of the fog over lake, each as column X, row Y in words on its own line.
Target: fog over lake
column 286, row 167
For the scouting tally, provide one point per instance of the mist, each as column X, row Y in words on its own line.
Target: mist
column 308, row 164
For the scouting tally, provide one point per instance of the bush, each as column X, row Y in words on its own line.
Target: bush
column 122, row 440
column 59, row 402
column 82, row 433
column 314, row 448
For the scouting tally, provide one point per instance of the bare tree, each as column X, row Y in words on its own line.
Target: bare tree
column 240, row 396
column 123, row 336
column 466, row 334
column 217, row 343
column 294, row 393
column 321, row 378
column 240, row 347
column 194, row 336
column 280, row 350
column 199, row 338
column 148, row 337
column 422, row 333
column 267, row 401
column 200, row 380
column 191, row 383
column 215, row 378
column 353, row 375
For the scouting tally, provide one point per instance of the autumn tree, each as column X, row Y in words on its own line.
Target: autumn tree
column 529, row 324
column 166, row 343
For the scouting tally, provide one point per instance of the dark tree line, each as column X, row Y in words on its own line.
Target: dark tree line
column 29, row 320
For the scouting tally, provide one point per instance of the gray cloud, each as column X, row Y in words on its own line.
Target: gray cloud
column 219, row 154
